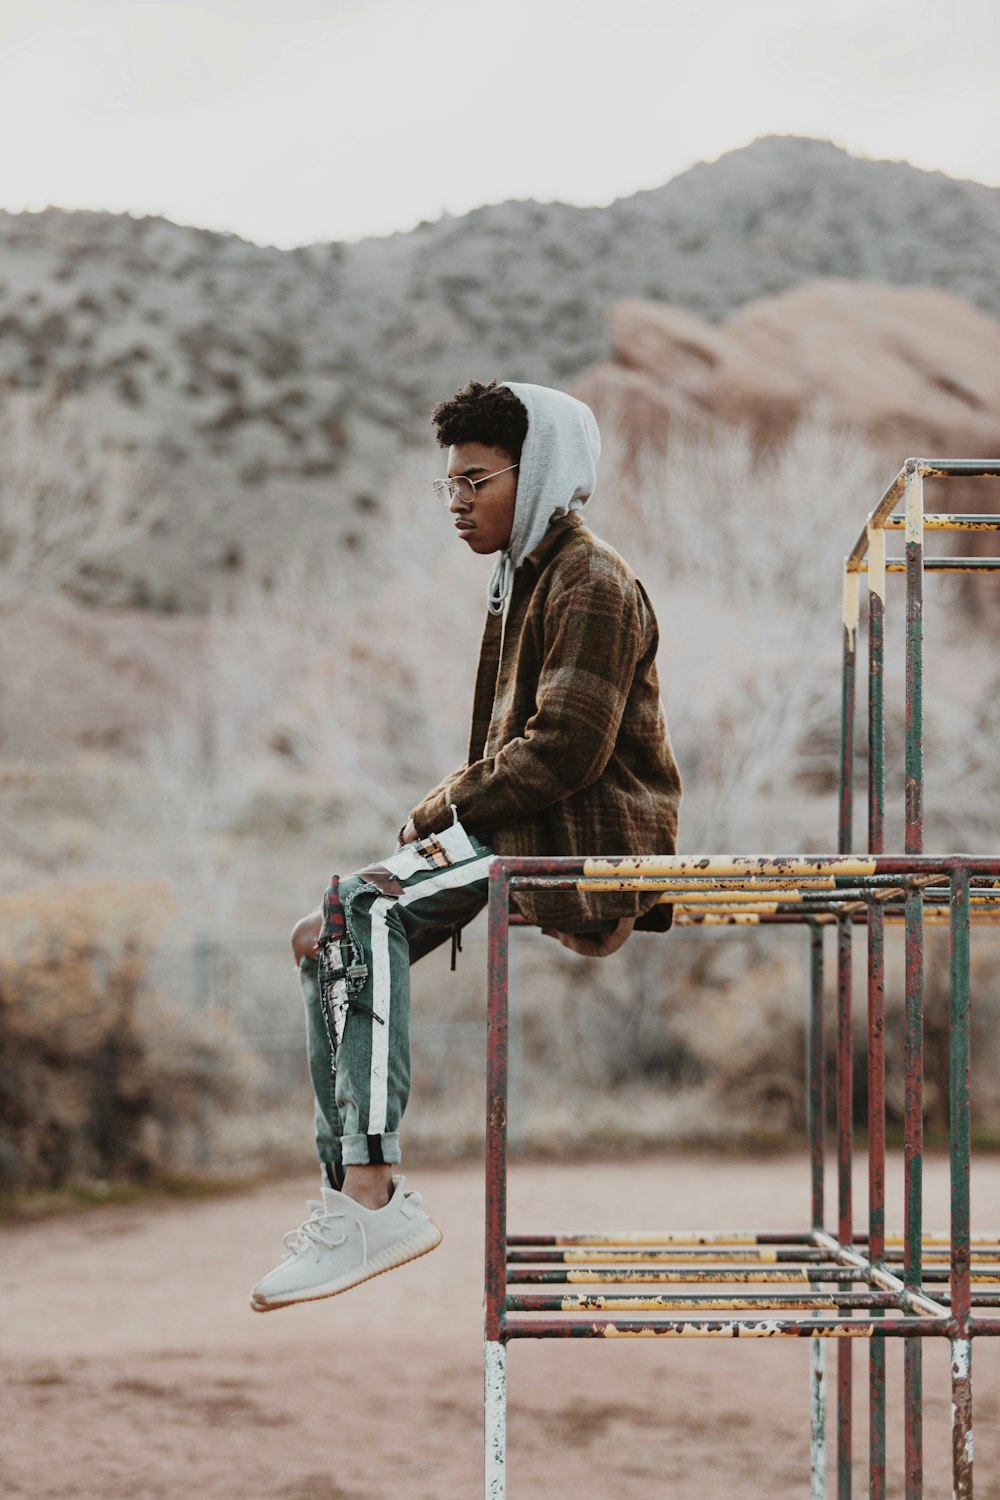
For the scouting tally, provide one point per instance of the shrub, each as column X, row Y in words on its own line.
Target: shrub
column 99, row 1076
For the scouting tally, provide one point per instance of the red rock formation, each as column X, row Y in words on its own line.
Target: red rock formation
column 916, row 369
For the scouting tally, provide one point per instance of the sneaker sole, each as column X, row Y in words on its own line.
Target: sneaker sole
column 426, row 1239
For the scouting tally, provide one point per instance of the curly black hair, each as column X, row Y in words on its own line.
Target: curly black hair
column 478, row 413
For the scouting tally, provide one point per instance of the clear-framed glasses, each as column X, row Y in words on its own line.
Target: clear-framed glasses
column 464, row 488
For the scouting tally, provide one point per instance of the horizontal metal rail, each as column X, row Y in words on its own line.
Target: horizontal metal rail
column 940, row 565
column 736, row 1328
column 923, row 468
column 943, row 521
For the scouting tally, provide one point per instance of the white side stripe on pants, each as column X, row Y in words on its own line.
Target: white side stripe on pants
column 448, row 880
column 379, row 1080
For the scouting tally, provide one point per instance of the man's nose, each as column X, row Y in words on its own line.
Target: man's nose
column 459, row 504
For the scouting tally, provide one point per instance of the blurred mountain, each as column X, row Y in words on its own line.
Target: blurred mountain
column 272, row 390
column 913, row 368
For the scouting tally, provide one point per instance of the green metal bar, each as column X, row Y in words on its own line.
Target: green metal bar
column 845, row 1059
column 959, row 1091
column 961, row 1349
column 957, row 468
column 876, row 996
column 914, row 795
column 845, row 1210
column 913, row 1188
column 816, row 1063
column 848, row 696
column 914, row 959
column 944, row 565
column 816, row 1103
column 876, row 1191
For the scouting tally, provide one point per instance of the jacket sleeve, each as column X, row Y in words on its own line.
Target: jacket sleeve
column 592, row 639
column 444, row 783
column 440, row 796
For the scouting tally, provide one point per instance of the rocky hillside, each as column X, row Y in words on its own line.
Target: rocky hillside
column 271, row 390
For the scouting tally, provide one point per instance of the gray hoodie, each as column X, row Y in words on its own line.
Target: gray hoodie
column 557, row 472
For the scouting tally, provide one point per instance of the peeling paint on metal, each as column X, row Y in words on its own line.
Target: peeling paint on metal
column 876, row 563
column 495, row 1415
column 851, row 606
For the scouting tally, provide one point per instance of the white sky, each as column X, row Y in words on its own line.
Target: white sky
column 290, row 121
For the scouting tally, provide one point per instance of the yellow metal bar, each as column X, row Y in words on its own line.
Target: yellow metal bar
column 875, row 567
column 729, row 864
column 716, row 919
column 989, row 1238
column 654, row 1237
column 763, row 1254
column 677, row 1276
column 763, row 1328
column 766, row 884
column 945, row 521
column 684, row 1276
column 721, row 908
column 669, row 1302
column 701, row 898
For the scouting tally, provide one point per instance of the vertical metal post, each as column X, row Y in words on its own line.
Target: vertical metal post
column 495, row 1406
column 845, row 1208
column 817, row 1416
column 876, row 693
column 495, row 1351
column 876, row 1187
column 961, row 1347
column 848, row 696
column 914, row 794
column 817, row 1142
column 845, row 1058
column 515, row 1049
column 913, row 1044
column 876, row 996
column 817, row 1076
column 913, row 1153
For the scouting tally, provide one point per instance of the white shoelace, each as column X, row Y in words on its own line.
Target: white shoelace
column 320, row 1219
column 313, row 1230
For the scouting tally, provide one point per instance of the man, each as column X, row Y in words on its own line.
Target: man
column 568, row 754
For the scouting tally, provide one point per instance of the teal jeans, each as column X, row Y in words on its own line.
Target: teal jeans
column 357, row 994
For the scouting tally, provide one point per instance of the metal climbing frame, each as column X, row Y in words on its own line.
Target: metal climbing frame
column 818, row 1282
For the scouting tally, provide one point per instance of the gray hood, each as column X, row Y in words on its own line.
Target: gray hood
column 556, row 473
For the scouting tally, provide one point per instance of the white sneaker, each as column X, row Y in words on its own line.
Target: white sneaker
column 343, row 1243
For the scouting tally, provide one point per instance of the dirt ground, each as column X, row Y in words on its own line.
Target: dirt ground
column 134, row 1368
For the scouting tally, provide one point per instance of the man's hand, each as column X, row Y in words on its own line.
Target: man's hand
column 408, row 833
column 305, row 935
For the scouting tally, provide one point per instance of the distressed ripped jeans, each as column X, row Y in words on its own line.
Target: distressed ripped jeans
column 357, row 994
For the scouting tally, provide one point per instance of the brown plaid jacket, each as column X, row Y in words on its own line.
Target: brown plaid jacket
column 569, row 751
